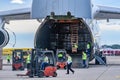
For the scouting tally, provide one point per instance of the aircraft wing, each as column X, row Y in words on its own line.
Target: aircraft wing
column 16, row 14
column 99, row 12
column 104, row 12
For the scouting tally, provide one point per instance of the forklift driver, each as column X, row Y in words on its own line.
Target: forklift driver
column 17, row 58
column 45, row 62
column 60, row 56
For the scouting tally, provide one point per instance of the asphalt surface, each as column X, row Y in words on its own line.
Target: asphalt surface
column 94, row 72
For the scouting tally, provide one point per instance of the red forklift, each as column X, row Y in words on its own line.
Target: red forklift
column 61, row 58
column 17, row 60
column 36, row 62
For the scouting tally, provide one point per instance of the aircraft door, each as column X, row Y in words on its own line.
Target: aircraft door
column 78, row 8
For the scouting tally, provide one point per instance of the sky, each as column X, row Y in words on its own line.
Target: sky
column 25, row 30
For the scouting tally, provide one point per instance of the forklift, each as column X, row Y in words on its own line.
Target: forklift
column 17, row 60
column 37, row 60
column 61, row 60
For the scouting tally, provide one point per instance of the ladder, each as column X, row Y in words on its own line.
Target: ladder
column 74, row 37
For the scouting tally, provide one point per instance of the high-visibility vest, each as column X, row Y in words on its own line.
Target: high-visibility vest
column 88, row 46
column 84, row 56
column 60, row 55
column 8, row 57
column 46, row 59
column 28, row 59
column 69, row 60
column 75, row 45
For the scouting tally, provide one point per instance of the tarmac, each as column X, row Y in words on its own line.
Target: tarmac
column 94, row 72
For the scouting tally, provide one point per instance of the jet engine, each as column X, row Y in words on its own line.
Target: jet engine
column 4, row 36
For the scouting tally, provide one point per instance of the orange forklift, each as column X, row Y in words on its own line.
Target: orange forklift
column 36, row 63
column 17, row 60
column 61, row 58
column 37, row 58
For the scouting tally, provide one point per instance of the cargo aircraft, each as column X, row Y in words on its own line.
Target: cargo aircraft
column 64, row 23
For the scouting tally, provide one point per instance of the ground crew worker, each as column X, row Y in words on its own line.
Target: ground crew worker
column 88, row 53
column 8, row 58
column 88, row 49
column 60, row 56
column 45, row 62
column 69, row 64
column 75, row 45
column 28, row 60
column 46, row 49
column 84, row 58
column 17, row 58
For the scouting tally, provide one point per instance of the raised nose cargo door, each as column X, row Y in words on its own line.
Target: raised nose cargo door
column 78, row 8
